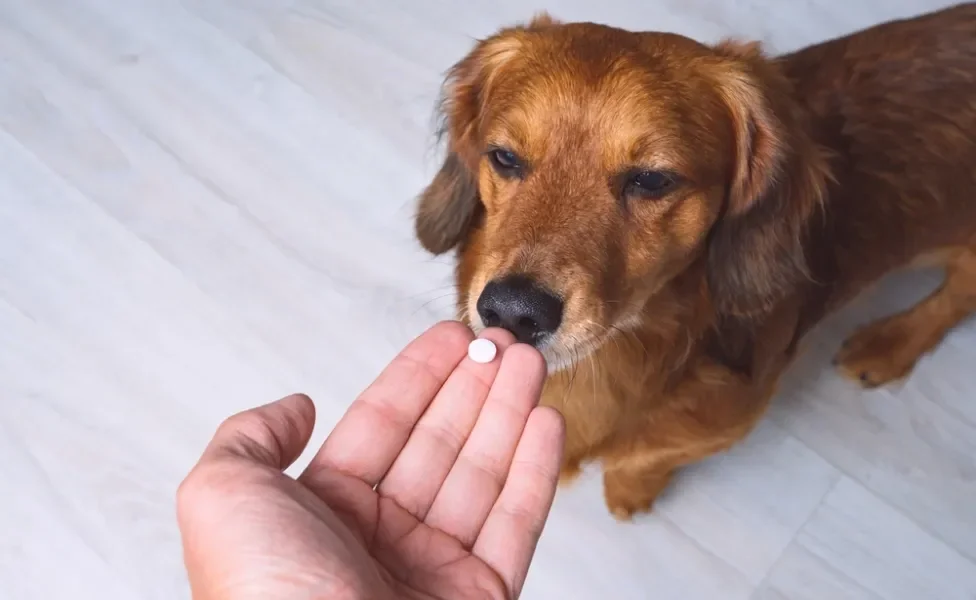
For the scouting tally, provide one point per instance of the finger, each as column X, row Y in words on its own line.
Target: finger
column 433, row 447
column 373, row 431
column 471, row 488
column 515, row 523
column 273, row 435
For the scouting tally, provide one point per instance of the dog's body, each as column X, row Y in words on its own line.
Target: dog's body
column 677, row 217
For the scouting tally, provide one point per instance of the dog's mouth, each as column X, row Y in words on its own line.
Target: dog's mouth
column 566, row 347
column 565, row 329
column 562, row 355
column 583, row 339
column 562, row 352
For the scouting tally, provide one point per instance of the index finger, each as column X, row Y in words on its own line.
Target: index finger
column 374, row 430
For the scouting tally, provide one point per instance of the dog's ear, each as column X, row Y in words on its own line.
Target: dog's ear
column 450, row 206
column 777, row 183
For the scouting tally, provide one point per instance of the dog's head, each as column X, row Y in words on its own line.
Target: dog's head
column 589, row 166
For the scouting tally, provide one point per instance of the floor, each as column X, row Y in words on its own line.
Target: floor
column 206, row 204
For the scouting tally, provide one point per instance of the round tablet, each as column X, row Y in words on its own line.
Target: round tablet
column 482, row 351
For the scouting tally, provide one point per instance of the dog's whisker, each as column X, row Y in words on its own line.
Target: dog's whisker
column 451, row 287
column 428, row 304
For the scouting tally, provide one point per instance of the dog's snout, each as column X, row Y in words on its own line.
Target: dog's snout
column 523, row 307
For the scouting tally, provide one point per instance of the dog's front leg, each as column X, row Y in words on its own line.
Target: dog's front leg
column 709, row 411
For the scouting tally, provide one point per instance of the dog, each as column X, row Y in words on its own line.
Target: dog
column 666, row 220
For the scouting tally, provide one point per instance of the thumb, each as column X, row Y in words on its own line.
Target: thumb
column 273, row 435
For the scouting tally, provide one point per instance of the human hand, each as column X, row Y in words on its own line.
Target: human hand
column 435, row 484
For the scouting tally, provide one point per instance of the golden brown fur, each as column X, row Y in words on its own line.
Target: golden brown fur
column 789, row 185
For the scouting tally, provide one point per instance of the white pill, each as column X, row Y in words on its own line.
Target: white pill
column 482, row 351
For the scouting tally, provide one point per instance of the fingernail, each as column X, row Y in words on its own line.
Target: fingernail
column 482, row 351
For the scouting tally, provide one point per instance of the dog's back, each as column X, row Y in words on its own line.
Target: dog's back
column 896, row 106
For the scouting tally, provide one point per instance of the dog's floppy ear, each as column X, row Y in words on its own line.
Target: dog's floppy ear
column 778, row 179
column 450, row 206
column 450, row 203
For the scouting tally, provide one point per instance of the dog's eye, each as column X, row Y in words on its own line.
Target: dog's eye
column 650, row 184
column 505, row 162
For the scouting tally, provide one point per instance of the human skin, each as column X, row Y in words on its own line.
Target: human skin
column 436, row 483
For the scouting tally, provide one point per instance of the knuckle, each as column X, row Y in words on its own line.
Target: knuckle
column 191, row 493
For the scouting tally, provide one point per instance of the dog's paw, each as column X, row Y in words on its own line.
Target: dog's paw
column 627, row 495
column 570, row 472
column 623, row 509
column 879, row 353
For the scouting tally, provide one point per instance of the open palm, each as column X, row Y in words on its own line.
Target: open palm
column 435, row 484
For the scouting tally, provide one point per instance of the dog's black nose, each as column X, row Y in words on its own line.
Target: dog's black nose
column 518, row 304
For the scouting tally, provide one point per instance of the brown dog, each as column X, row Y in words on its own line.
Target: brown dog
column 665, row 220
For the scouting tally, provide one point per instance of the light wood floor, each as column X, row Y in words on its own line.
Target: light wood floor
column 205, row 204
